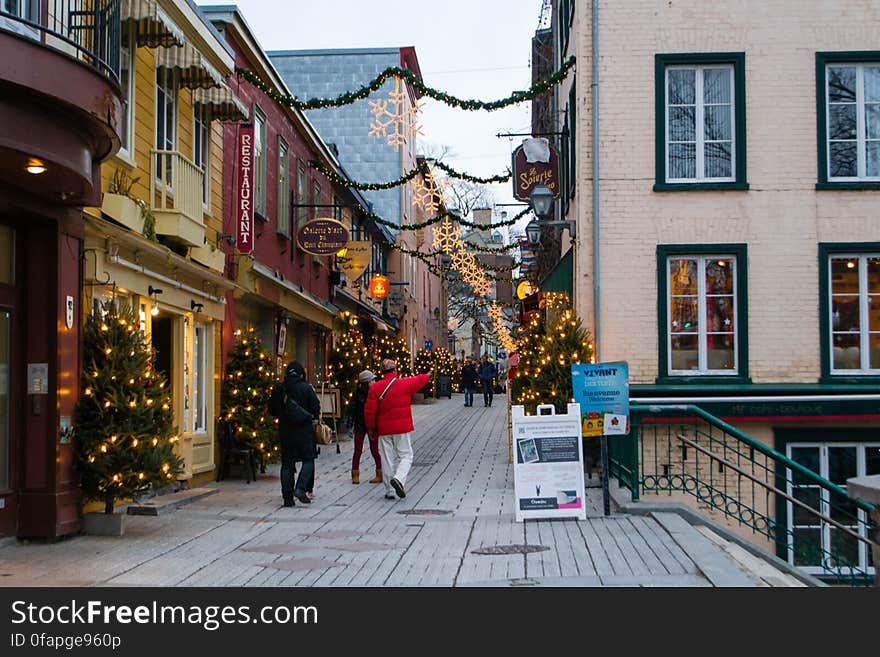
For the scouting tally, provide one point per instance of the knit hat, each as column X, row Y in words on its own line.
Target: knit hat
column 389, row 365
column 366, row 375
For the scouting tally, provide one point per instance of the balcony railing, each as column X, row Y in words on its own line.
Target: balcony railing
column 176, row 191
column 87, row 30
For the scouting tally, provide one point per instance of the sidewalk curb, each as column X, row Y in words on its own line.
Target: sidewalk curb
column 163, row 504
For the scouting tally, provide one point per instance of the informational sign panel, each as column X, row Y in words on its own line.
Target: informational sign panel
column 529, row 173
column 244, row 210
column 322, row 236
column 602, row 390
column 548, row 468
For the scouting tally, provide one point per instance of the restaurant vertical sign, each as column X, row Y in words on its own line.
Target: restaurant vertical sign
column 245, row 200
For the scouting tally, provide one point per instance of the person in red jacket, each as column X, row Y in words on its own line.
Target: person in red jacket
column 391, row 419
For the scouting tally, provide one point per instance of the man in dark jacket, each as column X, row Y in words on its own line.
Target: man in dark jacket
column 487, row 373
column 296, row 434
column 468, row 381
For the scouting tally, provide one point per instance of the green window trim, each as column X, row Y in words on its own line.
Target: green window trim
column 740, row 252
column 826, row 250
column 661, row 61
column 822, row 61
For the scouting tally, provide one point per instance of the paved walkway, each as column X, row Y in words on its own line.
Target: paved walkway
column 459, row 503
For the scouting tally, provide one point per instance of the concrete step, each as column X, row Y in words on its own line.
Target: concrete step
column 765, row 573
column 162, row 504
column 717, row 566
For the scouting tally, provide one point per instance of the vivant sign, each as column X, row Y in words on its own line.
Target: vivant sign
column 244, row 212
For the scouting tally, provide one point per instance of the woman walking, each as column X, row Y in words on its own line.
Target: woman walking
column 365, row 379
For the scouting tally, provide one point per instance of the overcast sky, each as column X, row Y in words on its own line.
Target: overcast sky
column 469, row 48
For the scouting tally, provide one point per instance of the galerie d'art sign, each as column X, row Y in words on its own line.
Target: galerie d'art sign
column 322, row 236
column 548, row 471
column 245, row 210
column 534, row 162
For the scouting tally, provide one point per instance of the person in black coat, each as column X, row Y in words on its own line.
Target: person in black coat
column 297, row 435
column 468, row 381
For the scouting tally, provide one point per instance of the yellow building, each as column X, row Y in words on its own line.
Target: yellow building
column 156, row 242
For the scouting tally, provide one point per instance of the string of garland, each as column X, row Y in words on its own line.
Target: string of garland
column 540, row 87
column 427, row 255
column 422, row 168
column 501, row 250
column 443, row 215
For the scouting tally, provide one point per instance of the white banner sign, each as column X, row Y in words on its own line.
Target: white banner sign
column 548, row 469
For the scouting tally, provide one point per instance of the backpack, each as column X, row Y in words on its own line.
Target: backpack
column 276, row 400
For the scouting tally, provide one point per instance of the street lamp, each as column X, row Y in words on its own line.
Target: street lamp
column 541, row 199
column 533, row 231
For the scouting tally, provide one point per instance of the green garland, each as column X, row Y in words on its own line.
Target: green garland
column 422, row 167
column 540, row 87
column 443, row 215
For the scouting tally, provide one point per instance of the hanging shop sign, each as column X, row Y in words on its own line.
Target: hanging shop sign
column 379, row 286
column 602, row 390
column 322, row 236
column 548, row 472
column 354, row 258
column 396, row 308
column 245, row 210
column 524, row 289
column 536, row 161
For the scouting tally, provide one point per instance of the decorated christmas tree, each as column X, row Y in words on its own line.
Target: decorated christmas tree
column 424, row 362
column 444, row 365
column 546, row 356
column 124, row 435
column 246, row 390
column 348, row 358
column 394, row 348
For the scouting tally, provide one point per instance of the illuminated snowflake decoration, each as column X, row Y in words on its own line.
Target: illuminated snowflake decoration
column 446, row 236
column 428, row 192
column 396, row 119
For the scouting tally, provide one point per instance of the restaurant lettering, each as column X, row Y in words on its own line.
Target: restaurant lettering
column 245, row 210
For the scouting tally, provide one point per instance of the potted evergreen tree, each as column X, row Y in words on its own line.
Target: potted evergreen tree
column 125, row 441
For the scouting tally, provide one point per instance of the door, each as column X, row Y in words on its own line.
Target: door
column 10, row 393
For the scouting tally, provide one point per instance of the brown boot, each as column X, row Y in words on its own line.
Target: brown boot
column 378, row 478
column 355, row 477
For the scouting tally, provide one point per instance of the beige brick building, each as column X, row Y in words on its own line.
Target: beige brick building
column 738, row 211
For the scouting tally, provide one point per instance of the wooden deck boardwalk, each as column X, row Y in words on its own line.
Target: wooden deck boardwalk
column 459, row 500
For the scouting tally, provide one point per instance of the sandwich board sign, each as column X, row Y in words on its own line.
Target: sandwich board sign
column 548, row 471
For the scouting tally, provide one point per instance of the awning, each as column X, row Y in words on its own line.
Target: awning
column 192, row 68
column 153, row 27
column 354, row 304
column 224, row 105
column 561, row 278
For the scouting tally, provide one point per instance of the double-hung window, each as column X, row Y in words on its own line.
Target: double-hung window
column 702, row 323
column 850, row 310
column 201, row 146
column 848, row 110
column 283, row 187
column 301, row 195
column 166, row 124
column 259, row 162
column 700, row 122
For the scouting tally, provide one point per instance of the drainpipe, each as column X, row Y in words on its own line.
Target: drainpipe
column 594, row 17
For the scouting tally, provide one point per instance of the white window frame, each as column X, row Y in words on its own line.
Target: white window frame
column 702, row 345
column 283, row 212
column 200, row 378
column 166, row 100
column 861, row 128
column 864, row 314
column 259, row 160
column 202, row 149
column 825, row 528
column 127, row 60
column 699, row 120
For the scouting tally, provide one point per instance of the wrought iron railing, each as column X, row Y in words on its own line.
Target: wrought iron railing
column 807, row 520
column 87, row 30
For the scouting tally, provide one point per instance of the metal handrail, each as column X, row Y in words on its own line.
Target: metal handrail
column 751, row 442
column 91, row 28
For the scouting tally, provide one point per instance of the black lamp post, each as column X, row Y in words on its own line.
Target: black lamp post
column 533, row 231
column 541, row 200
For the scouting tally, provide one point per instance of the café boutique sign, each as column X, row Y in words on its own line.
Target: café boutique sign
column 535, row 161
column 322, row 237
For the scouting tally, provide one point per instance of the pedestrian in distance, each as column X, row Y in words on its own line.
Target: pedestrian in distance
column 297, row 435
column 487, row 373
column 365, row 380
column 388, row 411
column 468, row 381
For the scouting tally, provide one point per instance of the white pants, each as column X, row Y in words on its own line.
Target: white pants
column 397, row 457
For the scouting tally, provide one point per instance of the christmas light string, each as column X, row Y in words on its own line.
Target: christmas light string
column 537, row 89
column 422, row 167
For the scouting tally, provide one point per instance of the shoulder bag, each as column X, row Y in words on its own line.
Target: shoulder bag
column 378, row 403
